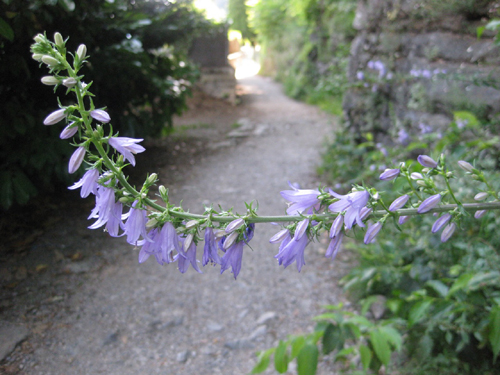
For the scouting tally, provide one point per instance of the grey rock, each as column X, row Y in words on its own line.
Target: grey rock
column 378, row 307
column 11, row 334
column 266, row 317
column 111, row 338
column 214, row 327
column 260, row 331
column 78, row 267
column 239, row 344
column 182, row 356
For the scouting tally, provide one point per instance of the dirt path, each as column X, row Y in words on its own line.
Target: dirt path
column 92, row 309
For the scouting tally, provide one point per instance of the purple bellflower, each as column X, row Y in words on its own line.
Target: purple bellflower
column 427, row 161
column 280, row 236
column 127, row 147
column 210, row 248
column 232, row 258
column 334, row 246
column 76, row 159
column 448, row 232
column 292, row 251
column 68, row 131
column 184, row 258
column 351, row 203
column 100, row 115
column 479, row 214
column 150, row 248
column 104, row 202
column 336, row 226
column 399, row 202
column 88, row 183
column 135, row 226
column 403, row 219
column 301, row 199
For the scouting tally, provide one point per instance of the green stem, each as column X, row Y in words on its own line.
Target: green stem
column 451, row 192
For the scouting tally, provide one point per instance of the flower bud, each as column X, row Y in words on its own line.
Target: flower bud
column 481, row 196
column 389, row 174
column 76, row 159
column 152, row 178
column 68, row 131
column 69, row 82
column 151, row 223
column 123, row 200
column 399, row 202
column 416, row 176
column 479, row 214
column 441, row 222
column 466, row 166
column 280, row 236
column 364, row 213
column 58, row 40
column 37, row 56
column 421, row 183
column 429, row 203
column 448, row 232
column 301, row 229
column 192, row 223
column 50, row 61
column 100, row 115
column 372, row 232
column 449, row 174
column 81, row 52
column 55, row 117
column 188, row 241
column 336, row 226
column 235, row 224
column 50, row 81
column 230, row 240
column 39, row 38
column 403, row 219
column 427, row 161
column 163, row 191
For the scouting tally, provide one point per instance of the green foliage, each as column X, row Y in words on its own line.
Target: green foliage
column 238, row 14
column 142, row 78
column 306, row 46
column 341, row 334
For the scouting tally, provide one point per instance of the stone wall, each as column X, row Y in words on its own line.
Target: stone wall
column 415, row 62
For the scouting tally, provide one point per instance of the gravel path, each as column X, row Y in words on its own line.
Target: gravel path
column 84, row 305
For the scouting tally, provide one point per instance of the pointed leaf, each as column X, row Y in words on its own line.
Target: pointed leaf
column 281, row 358
column 366, row 356
column 332, row 339
column 460, row 283
column 263, row 361
column 418, row 311
column 297, row 344
column 494, row 331
column 6, row 31
column 380, row 346
column 307, row 360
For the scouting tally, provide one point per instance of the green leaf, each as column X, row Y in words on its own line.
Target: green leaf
column 6, row 31
column 460, row 283
column 263, row 359
column 380, row 346
column 480, row 280
column 439, row 287
column 307, row 360
column 418, row 311
column 480, row 31
column 332, row 339
column 393, row 336
column 281, row 358
column 493, row 25
column 494, row 331
column 297, row 344
column 366, row 356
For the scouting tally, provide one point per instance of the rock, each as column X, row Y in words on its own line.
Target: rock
column 266, row 317
column 112, row 338
column 11, row 334
column 78, row 267
column 214, row 327
column 260, row 331
column 182, row 356
column 378, row 308
column 239, row 344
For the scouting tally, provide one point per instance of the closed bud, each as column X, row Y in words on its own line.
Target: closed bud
column 163, row 191
column 68, row 131
column 301, row 229
column 188, row 241
column 416, row 176
column 280, row 236
column 403, row 219
column 421, row 183
column 448, row 232
column 37, row 56
column 151, row 223
column 123, row 200
column 479, row 214
column 481, row 196
column 364, row 213
column 336, row 226
column 399, row 202
column 69, row 82
column 235, row 224
column 425, row 170
column 81, row 52
column 466, row 166
column 429, row 203
column 372, row 232
column 50, row 61
column 55, row 117
column 427, row 161
column 58, row 40
column 152, row 178
column 39, row 38
column 441, row 222
column 50, row 81
column 231, row 239
column 191, row 224
column 389, row 174
column 449, row 174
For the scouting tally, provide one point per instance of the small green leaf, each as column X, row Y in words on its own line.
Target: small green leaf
column 494, row 331
column 482, row 279
column 297, row 344
column 480, row 31
column 366, row 356
column 307, row 360
column 281, row 358
column 380, row 346
column 460, row 283
column 439, row 287
column 418, row 311
column 393, row 336
column 6, row 31
column 332, row 339
column 263, row 361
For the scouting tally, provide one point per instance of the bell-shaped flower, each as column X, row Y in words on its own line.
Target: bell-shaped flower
column 210, row 249
column 336, row 226
column 280, row 236
column 301, row 199
column 127, row 147
column 352, row 203
column 151, row 247
column 88, row 183
column 135, row 226
column 187, row 257
column 233, row 258
column 334, row 246
column 76, row 159
column 104, row 206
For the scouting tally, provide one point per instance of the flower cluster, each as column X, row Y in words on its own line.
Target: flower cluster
column 172, row 235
